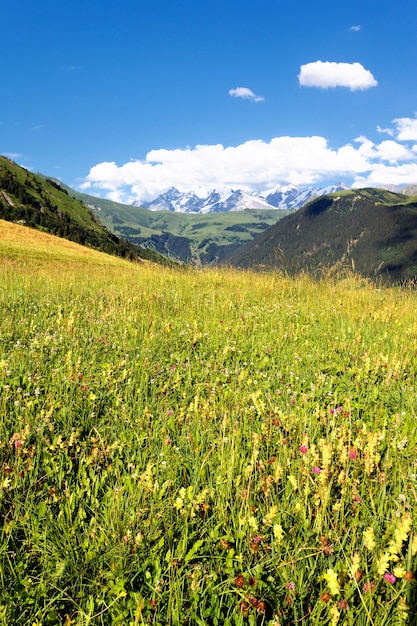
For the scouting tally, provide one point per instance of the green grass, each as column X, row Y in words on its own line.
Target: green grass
column 182, row 447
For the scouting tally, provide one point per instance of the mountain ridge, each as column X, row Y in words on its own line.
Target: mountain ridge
column 288, row 197
column 371, row 230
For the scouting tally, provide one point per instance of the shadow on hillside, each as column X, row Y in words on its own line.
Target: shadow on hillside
column 317, row 207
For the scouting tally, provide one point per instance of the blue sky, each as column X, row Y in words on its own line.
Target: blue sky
column 124, row 99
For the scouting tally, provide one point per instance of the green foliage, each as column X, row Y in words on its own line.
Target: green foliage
column 213, row 447
column 40, row 203
column 372, row 231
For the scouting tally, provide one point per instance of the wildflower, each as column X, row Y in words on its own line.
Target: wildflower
column 352, row 454
column 384, row 562
column 316, row 470
column 399, row 572
column 303, row 449
column 178, row 503
column 292, row 479
column 369, row 587
column 408, row 576
column 244, row 608
column 278, row 533
column 369, row 539
column 252, row 581
column 355, row 564
column 253, row 523
column 331, row 578
column 267, row 520
column 169, row 412
column 325, row 597
column 290, row 585
column 261, row 606
column 400, row 535
column 343, row 604
column 335, row 613
column 390, row 578
column 239, row 580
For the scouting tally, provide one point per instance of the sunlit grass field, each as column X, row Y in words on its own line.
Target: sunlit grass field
column 213, row 447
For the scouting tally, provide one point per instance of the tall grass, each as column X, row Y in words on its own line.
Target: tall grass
column 212, row 447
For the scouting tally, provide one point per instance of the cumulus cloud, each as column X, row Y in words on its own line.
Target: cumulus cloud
column 327, row 74
column 406, row 128
column 355, row 28
column 245, row 94
column 254, row 165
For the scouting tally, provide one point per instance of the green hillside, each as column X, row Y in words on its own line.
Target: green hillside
column 373, row 231
column 32, row 200
column 188, row 237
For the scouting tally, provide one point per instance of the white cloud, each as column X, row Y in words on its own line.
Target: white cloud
column 383, row 174
column 329, row 75
column 255, row 165
column 406, row 128
column 387, row 150
column 246, row 94
column 387, row 131
column 355, row 28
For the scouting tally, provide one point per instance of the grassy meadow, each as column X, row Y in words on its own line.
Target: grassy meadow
column 202, row 447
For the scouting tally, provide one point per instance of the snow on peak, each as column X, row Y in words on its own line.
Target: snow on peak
column 216, row 201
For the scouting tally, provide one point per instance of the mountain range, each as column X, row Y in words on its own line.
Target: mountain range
column 288, row 197
column 373, row 231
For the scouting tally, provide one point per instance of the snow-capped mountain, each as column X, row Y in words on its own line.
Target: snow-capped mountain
column 280, row 197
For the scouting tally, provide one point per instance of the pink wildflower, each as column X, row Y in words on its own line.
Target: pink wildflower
column 18, row 443
column 303, row 449
column 352, row 454
column 290, row 586
column 169, row 412
column 390, row 578
column 369, row 587
column 316, row 470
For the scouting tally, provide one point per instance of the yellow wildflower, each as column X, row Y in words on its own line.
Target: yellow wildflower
column 369, row 539
column 400, row 535
column 355, row 564
column 331, row 578
column 335, row 615
column 292, row 479
column 278, row 533
column 384, row 561
column 269, row 517
column 399, row 571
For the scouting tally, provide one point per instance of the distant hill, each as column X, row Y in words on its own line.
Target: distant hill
column 199, row 239
column 32, row 200
column 373, row 231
